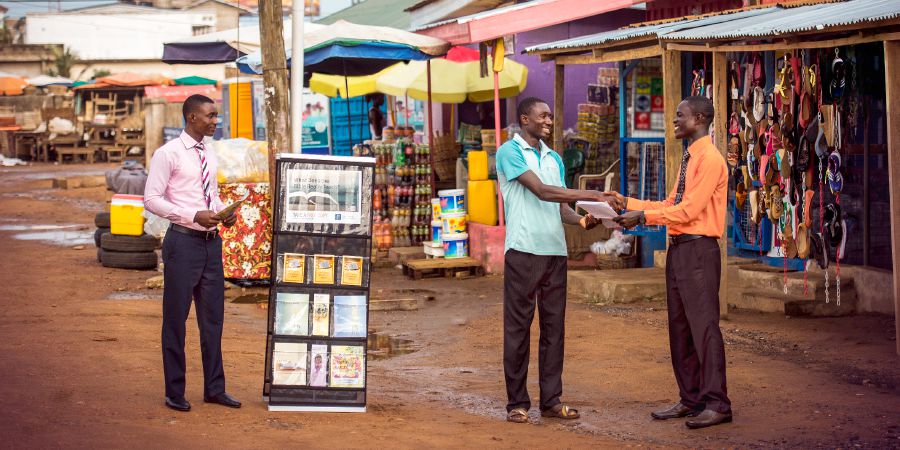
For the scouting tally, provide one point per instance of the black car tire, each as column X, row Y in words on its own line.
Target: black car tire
column 101, row 220
column 128, row 260
column 99, row 232
column 119, row 243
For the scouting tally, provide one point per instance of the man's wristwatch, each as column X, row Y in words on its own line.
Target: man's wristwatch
column 643, row 219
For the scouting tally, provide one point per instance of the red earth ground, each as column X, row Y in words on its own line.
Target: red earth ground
column 82, row 365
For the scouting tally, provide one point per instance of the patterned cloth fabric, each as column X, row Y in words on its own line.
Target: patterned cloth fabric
column 247, row 246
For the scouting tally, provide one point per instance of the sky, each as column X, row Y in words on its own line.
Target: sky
column 19, row 8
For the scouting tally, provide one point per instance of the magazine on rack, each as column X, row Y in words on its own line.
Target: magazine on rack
column 320, row 315
column 294, row 270
column 351, row 270
column 292, row 314
column 348, row 366
column 349, row 316
column 318, row 371
column 323, row 196
column 289, row 364
column 323, row 269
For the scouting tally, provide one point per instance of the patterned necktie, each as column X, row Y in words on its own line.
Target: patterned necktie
column 684, row 163
column 204, row 175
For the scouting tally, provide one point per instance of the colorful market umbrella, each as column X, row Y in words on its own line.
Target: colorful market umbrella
column 452, row 82
column 337, row 85
column 194, row 81
column 221, row 46
column 512, row 80
column 12, row 86
column 348, row 49
column 129, row 79
column 448, row 81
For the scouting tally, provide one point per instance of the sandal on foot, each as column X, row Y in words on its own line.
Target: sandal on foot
column 561, row 411
column 517, row 415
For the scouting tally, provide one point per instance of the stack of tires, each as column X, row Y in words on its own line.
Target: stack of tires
column 124, row 252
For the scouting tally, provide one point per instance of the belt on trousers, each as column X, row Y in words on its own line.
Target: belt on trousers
column 208, row 235
column 682, row 238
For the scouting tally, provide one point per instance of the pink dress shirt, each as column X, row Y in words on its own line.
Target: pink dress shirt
column 173, row 188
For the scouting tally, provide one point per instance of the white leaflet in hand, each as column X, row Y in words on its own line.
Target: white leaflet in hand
column 600, row 210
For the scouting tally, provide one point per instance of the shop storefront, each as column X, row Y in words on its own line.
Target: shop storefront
column 803, row 102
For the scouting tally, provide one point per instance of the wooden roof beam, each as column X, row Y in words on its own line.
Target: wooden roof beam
column 785, row 44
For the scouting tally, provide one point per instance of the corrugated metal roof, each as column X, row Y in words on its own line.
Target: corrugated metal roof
column 482, row 14
column 657, row 31
column 779, row 21
column 388, row 13
column 772, row 21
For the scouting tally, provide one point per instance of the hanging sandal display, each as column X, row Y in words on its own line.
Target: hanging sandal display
column 838, row 81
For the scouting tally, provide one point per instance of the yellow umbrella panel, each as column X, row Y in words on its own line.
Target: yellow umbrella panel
column 451, row 82
column 513, row 79
column 448, row 81
column 334, row 85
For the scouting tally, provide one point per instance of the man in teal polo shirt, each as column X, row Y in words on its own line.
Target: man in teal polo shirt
column 536, row 201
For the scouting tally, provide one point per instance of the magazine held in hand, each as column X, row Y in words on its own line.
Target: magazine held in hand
column 319, row 300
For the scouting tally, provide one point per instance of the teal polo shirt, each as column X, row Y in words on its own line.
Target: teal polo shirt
column 532, row 225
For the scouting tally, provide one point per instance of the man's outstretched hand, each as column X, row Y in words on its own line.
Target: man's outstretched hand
column 616, row 200
column 630, row 219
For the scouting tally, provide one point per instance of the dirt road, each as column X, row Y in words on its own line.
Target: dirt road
column 81, row 362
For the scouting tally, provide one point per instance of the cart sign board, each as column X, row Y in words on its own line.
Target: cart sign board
column 321, row 269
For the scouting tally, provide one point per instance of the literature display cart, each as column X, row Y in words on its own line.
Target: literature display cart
column 319, row 299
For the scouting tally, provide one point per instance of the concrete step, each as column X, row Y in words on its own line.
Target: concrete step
column 795, row 306
column 762, row 277
column 617, row 286
column 659, row 260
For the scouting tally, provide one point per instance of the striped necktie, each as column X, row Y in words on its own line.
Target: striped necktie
column 684, row 163
column 204, row 175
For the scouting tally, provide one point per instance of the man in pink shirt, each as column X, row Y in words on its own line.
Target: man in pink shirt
column 182, row 187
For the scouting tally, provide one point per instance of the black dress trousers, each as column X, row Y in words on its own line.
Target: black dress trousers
column 193, row 271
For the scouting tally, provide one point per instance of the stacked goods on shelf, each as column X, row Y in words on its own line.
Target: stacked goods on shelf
column 125, row 245
column 489, row 140
column 402, row 194
column 598, row 122
column 454, row 238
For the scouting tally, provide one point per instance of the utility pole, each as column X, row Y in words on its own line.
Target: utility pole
column 275, row 82
column 297, row 17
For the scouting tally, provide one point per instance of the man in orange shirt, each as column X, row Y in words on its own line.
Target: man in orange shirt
column 694, row 214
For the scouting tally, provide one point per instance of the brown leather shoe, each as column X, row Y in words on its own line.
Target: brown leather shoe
column 708, row 418
column 674, row 412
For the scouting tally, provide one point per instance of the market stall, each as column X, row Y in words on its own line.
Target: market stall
column 803, row 118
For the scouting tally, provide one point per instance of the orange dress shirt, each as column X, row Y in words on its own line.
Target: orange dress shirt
column 702, row 207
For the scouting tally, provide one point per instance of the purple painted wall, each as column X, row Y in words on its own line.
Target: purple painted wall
column 540, row 75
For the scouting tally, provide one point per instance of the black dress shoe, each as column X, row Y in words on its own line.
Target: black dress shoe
column 674, row 412
column 178, row 404
column 708, row 418
column 223, row 399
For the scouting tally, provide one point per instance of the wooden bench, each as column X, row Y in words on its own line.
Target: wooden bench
column 112, row 153
column 458, row 267
column 85, row 154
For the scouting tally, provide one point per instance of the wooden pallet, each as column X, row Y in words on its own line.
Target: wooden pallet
column 455, row 267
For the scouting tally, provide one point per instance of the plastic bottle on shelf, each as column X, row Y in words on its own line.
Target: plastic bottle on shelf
column 376, row 199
